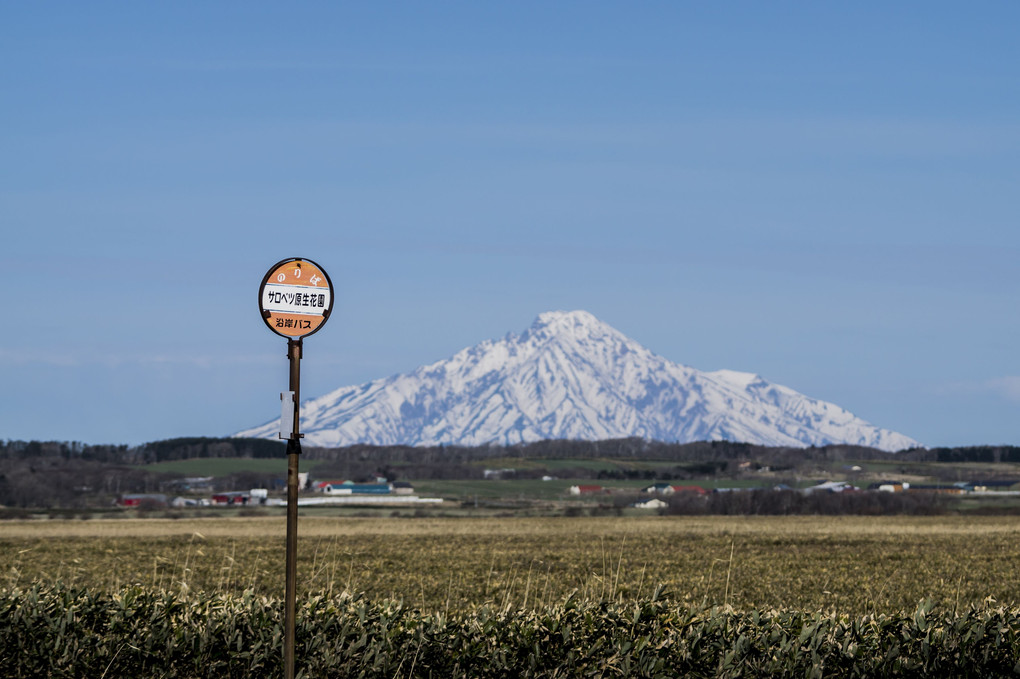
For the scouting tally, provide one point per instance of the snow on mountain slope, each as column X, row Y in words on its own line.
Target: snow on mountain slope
column 570, row 376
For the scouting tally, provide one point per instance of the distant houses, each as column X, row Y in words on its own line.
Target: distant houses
column 666, row 490
column 255, row 496
column 346, row 491
column 239, row 497
column 654, row 489
column 679, row 497
column 382, row 493
column 143, row 500
column 670, row 489
column 993, row 487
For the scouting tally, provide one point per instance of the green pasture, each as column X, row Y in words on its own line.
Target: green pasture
column 557, row 489
column 224, row 466
column 591, row 464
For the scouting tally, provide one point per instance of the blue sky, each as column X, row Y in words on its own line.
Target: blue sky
column 823, row 194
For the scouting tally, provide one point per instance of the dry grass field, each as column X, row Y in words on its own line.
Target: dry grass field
column 844, row 564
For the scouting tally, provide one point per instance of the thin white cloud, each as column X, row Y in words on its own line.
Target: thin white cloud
column 1007, row 387
column 29, row 357
column 75, row 360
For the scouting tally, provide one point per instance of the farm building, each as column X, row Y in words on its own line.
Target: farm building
column 142, row 500
column 669, row 489
column 181, row 501
column 654, row 503
column 321, row 486
column 830, row 487
column 992, row 486
column 370, row 488
column 890, row 486
column 694, row 490
column 954, row 489
column 236, row 497
column 351, row 488
column 586, row 490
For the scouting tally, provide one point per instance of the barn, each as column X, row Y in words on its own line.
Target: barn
column 585, row 490
column 142, row 500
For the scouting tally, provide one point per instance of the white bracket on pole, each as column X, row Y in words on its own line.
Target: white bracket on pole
column 287, row 415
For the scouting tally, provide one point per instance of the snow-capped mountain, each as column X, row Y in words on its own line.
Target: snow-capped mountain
column 570, row 376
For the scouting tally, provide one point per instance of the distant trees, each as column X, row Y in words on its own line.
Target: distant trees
column 704, row 457
column 993, row 454
column 188, row 448
column 784, row 502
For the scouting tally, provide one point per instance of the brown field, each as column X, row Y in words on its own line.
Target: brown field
column 845, row 564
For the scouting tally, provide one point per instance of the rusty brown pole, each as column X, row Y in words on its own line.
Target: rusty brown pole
column 294, row 348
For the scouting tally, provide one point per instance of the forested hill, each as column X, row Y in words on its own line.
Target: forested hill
column 630, row 448
column 158, row 451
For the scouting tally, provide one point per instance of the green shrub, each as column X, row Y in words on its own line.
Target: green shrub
column 59, row 631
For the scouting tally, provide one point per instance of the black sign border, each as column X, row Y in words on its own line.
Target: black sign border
column 266, row 314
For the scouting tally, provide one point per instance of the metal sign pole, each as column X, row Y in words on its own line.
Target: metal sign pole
column 294, row 348
column 295, row 300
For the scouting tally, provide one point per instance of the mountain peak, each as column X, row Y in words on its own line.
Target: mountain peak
column 570, row 325
column 564, row 318
column 571, row 376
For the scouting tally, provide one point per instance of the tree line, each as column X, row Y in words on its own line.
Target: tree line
column 73, row 474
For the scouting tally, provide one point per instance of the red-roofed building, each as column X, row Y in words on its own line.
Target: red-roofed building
column 696, row 490
column 586, row 490
column 325, row 486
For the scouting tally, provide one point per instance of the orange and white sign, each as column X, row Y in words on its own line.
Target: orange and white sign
column 296, row 297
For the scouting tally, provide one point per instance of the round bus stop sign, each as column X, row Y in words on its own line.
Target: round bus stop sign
column 296, row 297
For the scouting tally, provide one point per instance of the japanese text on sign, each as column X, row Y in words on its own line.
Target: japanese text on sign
column 294, row 299
column 296, row 323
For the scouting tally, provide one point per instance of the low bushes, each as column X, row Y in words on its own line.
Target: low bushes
column 61, row 631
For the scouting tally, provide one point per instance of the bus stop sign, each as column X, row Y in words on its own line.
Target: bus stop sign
column 295, row 298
